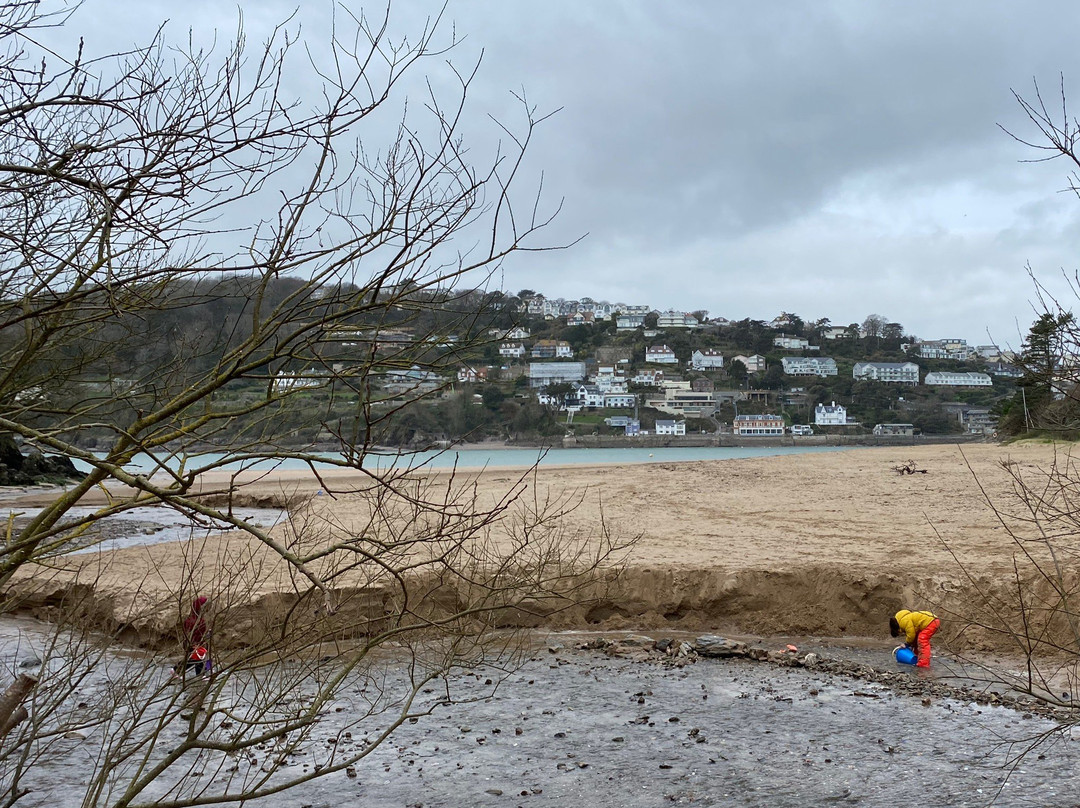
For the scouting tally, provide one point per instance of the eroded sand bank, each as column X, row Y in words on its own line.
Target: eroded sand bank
column 814, row 543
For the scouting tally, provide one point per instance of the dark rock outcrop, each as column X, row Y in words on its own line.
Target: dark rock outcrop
column 33, row 467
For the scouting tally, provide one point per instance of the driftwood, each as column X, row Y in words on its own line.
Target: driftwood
column 909, row 468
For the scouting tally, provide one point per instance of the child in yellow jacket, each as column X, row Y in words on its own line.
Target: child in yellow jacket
column 918, row 628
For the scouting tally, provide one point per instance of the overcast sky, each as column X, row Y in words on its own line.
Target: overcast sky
column 832, row 159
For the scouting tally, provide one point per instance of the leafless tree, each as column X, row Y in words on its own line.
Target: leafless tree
column 1031, row 611
column 138, row 188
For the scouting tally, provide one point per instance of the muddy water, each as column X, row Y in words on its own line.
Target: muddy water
column 156, row 524
column 614, row 732
column 574, row 727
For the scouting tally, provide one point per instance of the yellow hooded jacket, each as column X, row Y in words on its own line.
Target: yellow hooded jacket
column 911, row 623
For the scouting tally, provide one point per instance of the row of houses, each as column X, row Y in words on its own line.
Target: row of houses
column 908, row 373
column 822, row 366
column 541, row 349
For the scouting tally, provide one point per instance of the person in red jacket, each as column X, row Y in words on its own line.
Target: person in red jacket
column 918, row 628
column 196, row 636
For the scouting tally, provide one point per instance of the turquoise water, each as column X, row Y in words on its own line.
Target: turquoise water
column 511, row 458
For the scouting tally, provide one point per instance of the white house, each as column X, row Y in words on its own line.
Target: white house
column 791, row 343
column 552, row 349
column 471, row 374
column 888, row 372
column 671, row 427
column 629, row 322
column 581, row 318
column 830, row 414
column 588, row 395
column 541, row 374
column 809, row 366
column 685, row 402
column 707, row 359
column 944, row 349
column 946, row 379
column 660, row 355
column 512, row 350
column 610, row 379
column 517, row 333
column 676, row 319
column 648, row 376
column 620, row 400
column 834, row 332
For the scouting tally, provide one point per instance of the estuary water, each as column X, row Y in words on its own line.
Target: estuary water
column 496, row 457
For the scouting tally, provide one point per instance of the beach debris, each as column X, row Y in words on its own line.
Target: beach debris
column 909, row 468
column 712, row 645
column 679, row 653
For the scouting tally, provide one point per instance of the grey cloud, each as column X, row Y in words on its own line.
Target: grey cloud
column 848, row 152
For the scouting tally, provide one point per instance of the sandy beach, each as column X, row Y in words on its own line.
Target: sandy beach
column 827, row 543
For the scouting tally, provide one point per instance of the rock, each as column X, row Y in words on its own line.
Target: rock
column 75, row 735
column 663, row 646
column 30, row 662
column 495, row 792
column 810, row 660
column 712, row 645
column 638, row 641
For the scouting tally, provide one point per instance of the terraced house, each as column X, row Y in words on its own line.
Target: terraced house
column 760, row 425
column 809, row 366
column 888, row 372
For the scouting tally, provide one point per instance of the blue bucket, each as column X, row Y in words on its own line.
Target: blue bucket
column 904, row 655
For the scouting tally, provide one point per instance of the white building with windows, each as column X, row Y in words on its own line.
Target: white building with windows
column 629, row 322
column 835, row 332
column 830, row 414
column 512, row 350
column 671, row 427
column 809, row 366
column 946, row 379
column 708, row 359
column 660, row 355
column 791, row 343
column 888, row 372
column 589, row 395
column 541, row 374
column 945, row 349
column 620, row 401
column 552, row 349
column 758, row 425
column 676, row 319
